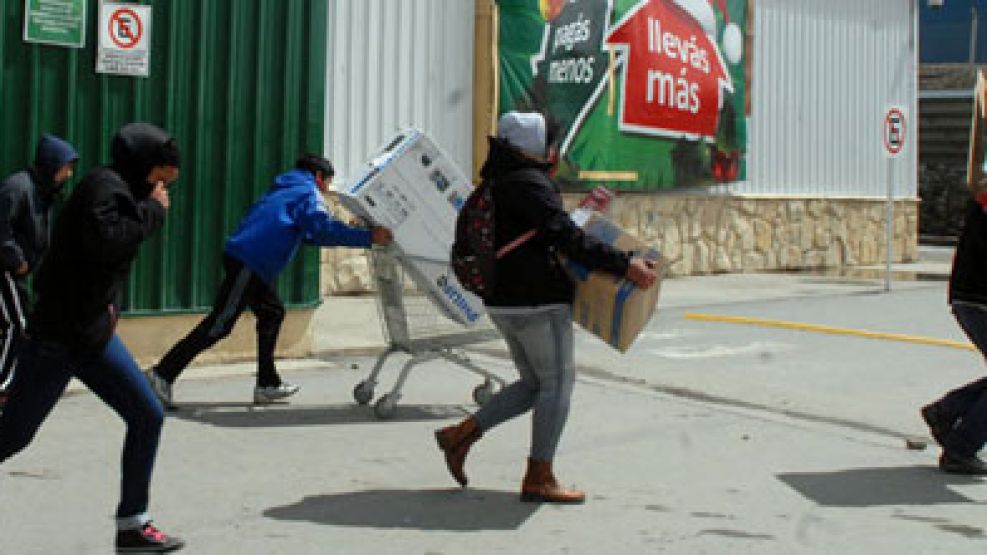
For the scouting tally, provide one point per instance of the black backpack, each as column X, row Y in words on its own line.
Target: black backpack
column 474, row 254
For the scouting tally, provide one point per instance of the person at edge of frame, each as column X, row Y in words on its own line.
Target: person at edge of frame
column 26, row 201
column 958, row 419
column 72, row 329
column 531, row 302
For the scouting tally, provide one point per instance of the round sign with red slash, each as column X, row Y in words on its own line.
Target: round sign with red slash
column 895, row 128
column 126, row 28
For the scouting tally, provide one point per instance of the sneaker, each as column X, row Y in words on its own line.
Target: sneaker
column 146, row 539
column 955, row 464
column 274, row 393
column 938, row 424
column 161, row 388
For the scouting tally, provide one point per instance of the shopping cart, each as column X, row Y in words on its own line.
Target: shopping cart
column 413, row 325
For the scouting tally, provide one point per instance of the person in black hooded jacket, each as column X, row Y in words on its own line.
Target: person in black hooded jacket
column 958, row 420
column 26, row 200
column 531, row 303
column 71, row 331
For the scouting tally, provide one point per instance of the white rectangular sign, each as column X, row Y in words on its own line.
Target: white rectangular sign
column 124, row 46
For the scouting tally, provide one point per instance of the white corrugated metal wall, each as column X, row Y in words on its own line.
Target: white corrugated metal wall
column 825, row 73
column 395, row 64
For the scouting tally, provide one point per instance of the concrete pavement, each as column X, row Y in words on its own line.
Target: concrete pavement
column 664, row 474
column 706, row 438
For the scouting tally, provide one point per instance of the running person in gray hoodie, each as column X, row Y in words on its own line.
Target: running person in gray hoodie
column 26, row 199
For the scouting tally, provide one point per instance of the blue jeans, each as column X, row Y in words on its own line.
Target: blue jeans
column 968, row 403
column 541, row 344
column 43, row 372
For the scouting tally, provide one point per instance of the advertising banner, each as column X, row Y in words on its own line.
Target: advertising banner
column 644, row 94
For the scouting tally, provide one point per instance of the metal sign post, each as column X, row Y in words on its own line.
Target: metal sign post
column 889, row 224
column 895, row 128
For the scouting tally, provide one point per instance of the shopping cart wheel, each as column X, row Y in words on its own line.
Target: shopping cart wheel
column 483, row 392
column 385, row 407
column 363, row 392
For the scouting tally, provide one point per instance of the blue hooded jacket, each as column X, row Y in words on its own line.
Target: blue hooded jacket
column 52, row 153
column 292, row 211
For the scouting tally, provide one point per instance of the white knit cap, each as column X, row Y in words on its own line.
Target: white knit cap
column 525, row 130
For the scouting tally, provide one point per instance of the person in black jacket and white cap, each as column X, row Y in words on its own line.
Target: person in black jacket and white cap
column 26, row 199
column 71, row 331
column 531, row 303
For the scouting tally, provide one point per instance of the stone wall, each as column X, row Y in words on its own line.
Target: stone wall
column 702, row 234
column 710, row 234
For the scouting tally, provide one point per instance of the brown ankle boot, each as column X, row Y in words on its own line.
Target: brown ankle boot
column 540, row 486
column 456, row 441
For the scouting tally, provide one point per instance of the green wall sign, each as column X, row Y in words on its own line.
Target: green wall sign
column 57, row 22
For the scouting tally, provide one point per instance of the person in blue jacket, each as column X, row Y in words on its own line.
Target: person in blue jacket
column 26, row 200
column 290, row 213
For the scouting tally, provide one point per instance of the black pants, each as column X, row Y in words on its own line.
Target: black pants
column 14, row 306
column 240, row 288
column 968, row 404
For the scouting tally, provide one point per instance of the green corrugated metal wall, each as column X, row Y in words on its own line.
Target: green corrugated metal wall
column 240, row 83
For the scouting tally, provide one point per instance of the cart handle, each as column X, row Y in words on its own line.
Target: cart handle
column 396, row 253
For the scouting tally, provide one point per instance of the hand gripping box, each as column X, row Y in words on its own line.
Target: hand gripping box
column 413, row 188
column 611, row 307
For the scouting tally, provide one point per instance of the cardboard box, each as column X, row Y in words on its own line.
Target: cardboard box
column 610, row 307
column 412, row 187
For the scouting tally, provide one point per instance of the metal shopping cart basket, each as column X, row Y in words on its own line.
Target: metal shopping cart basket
column 413, row 325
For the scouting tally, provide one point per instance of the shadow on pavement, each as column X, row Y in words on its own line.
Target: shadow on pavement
column 426, row 509
column 248, row 415
column 870, row 487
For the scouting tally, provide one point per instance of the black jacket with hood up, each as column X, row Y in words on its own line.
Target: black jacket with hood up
column 968, row 280
column 26, row 199
column 531, row 274
column 79, row 284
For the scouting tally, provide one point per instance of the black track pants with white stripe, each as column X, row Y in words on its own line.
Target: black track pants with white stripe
column 14, row 306
column 241, row 288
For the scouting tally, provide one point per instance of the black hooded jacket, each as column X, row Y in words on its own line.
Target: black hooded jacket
column 968, row 280
column 531, row 274
column 79, row 284
column 26, row 199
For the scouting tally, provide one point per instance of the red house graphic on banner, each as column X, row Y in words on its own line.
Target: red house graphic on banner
column 673, row 72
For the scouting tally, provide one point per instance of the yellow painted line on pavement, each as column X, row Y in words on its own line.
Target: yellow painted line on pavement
column 592, row 175
column 819, row 328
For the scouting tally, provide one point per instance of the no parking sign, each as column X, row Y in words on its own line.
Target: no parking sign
column 894, row 132
column 124, row 39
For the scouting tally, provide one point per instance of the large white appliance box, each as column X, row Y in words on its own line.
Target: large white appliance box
column 412, row 187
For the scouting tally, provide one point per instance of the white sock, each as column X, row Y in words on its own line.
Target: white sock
column 132, row 522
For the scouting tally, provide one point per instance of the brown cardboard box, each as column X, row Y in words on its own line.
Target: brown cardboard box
column 611, row 307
